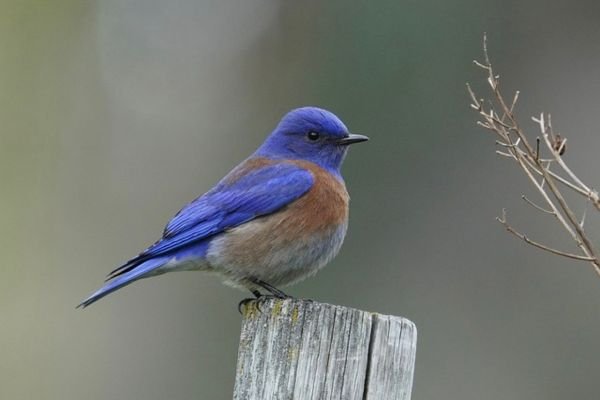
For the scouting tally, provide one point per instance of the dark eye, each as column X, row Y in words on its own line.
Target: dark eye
column 313, row 135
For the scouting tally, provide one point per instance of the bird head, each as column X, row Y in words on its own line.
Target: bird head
column 310, row 134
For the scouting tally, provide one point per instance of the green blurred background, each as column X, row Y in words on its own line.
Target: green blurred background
column 116, row 113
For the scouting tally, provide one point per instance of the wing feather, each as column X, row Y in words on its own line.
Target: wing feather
column 258, row 192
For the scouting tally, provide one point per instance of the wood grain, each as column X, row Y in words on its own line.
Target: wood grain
column 301, row 350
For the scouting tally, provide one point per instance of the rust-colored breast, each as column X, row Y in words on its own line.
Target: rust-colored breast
column 304, row 234
column 324, row 206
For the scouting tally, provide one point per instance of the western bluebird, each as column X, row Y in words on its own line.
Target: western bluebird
column 275, row 219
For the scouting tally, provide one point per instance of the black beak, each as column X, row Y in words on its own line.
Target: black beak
column 353, row 138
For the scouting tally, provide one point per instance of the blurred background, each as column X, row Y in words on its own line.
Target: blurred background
column 116, row 113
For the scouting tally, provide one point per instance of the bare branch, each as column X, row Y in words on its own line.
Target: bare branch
column 517, row 147
column 503, row 154
column 558, row 178
column 582, row 223
column 521, row 236
column 514, row 102
column 480, row 65
column 539, row 208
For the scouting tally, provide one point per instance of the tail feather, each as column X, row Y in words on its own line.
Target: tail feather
column 140, row 271
column 128, row 266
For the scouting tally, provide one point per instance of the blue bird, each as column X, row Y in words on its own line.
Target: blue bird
column 275, row 219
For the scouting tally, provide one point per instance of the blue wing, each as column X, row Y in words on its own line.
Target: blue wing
column 259, row 192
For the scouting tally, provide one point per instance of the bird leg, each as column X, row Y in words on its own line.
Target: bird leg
column 269, row 288
column 259, row 297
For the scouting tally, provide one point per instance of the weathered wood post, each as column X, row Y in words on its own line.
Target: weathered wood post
column 299, row 350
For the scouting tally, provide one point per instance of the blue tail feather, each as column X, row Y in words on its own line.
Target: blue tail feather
column 125, row 279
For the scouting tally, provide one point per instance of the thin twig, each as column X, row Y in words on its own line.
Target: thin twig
column 529, row 158
column 539, row 208
column 557, row 177
column 503, row 154
column 521, row 236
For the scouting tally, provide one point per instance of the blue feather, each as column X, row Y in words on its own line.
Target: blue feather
column 123, row 280
column 259, row 192
column 264, row 184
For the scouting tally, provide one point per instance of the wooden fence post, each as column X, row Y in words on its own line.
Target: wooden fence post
column 299, row 350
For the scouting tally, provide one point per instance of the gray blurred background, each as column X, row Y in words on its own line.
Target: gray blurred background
column 116, row 113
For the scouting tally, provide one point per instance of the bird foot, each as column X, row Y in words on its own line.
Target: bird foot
column 260, row 299
column 243, row 304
